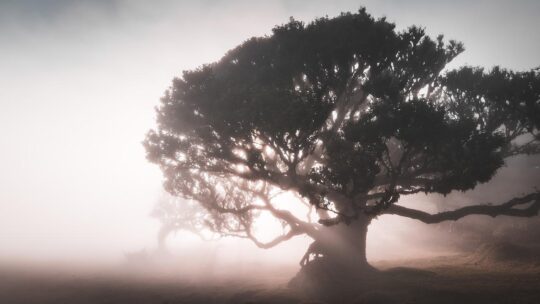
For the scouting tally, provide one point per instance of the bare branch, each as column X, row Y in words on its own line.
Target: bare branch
column 508, row 208
column 278, row 240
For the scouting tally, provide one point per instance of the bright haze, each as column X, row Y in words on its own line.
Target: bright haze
column 79, row 81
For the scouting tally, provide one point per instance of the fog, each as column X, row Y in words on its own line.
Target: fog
column 79, row 83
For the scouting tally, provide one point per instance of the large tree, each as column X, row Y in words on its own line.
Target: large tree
column 349, row 114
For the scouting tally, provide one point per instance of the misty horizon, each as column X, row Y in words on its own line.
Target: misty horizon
column 83, row 78
column 81, row 84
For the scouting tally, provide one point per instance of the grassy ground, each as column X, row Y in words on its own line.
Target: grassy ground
column 456, row 279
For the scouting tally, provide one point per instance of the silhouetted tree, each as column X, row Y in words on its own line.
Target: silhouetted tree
column 351, row 115
column 176, row 215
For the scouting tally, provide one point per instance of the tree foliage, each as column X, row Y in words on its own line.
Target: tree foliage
column 349, row 113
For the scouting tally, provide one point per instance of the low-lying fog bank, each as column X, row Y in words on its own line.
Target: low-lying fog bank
column 480, row 277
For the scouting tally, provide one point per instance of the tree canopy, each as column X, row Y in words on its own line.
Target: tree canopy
column 348, row 113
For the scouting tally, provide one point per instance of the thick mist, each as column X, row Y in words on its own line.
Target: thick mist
column 79, row 84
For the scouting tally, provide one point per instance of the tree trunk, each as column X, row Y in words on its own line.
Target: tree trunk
column 345, row 244
column 338, row 254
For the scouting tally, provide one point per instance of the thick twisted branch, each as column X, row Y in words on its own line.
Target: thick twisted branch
column 509, row 208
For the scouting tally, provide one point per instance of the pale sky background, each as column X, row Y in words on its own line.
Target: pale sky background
column 79, row 81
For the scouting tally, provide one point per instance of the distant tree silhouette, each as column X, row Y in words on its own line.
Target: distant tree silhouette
column 350, row 114
column 176, row 215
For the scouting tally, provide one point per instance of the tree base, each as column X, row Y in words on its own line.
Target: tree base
column 323, row 277
column 323, row 280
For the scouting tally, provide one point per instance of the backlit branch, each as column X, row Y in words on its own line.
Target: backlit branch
column 276, row 241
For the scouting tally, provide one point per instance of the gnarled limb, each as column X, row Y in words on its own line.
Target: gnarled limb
column 276, row 241
column 233, row 205
column 509, row 208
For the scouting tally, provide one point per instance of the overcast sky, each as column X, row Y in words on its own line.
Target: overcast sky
column 79, row 80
